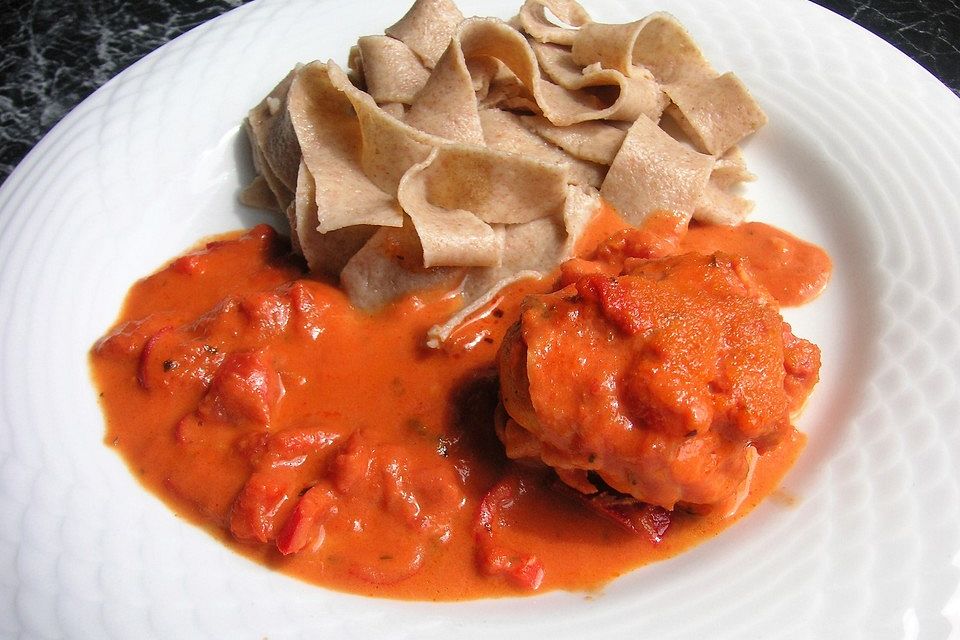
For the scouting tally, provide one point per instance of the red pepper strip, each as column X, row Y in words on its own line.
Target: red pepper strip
column 148, row 348
column 524, row 570
column 656, row 521
column 305, row 523
column 636, row 517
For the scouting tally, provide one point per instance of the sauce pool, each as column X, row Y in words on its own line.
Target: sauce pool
column 335, row 447
column 792, row 270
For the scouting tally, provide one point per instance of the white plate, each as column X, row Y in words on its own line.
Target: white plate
column 859, row 155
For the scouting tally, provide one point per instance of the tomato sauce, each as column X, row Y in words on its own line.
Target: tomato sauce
column 792, row 270
column 335, row 447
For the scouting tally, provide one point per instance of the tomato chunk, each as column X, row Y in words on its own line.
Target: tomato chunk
column 267, row 312
column 305, row 525
column 524, row 570
column 244, row 391
column 255, row 510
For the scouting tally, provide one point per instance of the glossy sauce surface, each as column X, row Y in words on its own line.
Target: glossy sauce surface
column 792, row 270
column 335, row 447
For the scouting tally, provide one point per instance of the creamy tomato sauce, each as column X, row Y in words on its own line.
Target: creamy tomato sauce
column 792, row 270
column 335, row 447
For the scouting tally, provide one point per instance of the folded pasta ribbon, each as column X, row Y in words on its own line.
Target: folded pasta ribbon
column 470, row 153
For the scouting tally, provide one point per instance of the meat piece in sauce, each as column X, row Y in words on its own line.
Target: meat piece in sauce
column 664, row 382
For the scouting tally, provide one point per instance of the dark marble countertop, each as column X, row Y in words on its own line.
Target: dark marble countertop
column 54, row 54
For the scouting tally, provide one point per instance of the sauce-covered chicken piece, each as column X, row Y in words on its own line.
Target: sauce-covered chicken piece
column 664, row 382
